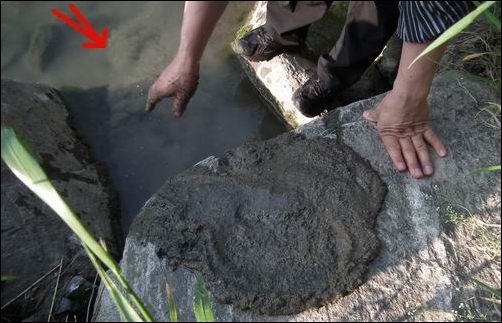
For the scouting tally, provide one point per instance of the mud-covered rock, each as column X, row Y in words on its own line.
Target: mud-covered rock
column 277, row 226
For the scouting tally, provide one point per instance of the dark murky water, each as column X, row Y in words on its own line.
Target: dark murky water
column 105, row 89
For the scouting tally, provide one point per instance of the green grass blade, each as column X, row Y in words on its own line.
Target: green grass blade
column 490, row 16
column 201, row 306
column 476, row 55
column 486, row 169
column 18, row 156
column 493, row 291
column 127, row 312
column 173, row 314
column 455, row 29
column 490, row 168
column 8, row 278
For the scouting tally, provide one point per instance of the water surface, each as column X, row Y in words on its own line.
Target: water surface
column 105, row 89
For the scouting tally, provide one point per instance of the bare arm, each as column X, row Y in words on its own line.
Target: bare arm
column 402, row 116
column 180, row 78
column 417, row 79
column 199, row 20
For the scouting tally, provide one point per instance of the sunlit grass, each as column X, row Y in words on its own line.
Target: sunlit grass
column 201, row 306
column 8, row 278
column 171, row 306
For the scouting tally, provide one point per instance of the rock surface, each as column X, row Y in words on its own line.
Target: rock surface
column 34, row 238
column 425, row 252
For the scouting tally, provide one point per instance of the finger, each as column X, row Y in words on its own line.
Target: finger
column 410, row 156
column 179, row 105
column 155, row 95
column 423, row 154
column 371, row 115
column 152, row 99
column 394, row 149
column 431, row 137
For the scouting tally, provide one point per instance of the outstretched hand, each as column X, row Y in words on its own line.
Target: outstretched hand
column 175, row 81
column 405, row 131
column 181, row 77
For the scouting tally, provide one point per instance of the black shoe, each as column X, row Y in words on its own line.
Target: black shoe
column 258, row 46
column 313, row 97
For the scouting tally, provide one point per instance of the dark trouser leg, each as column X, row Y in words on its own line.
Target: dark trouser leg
column 288, row 21
column 368, row 27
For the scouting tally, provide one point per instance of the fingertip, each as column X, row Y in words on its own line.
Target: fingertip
column 178, row 108
column 176, row 111
column 370, row 115
column 150, row 105
column 151, row 101
column 416, row 173
column 428, row 170
column 431, row 137
column 401, row 166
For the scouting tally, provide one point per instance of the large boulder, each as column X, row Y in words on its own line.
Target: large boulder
column 236, row 217
column 34, row 239
column 267, row 225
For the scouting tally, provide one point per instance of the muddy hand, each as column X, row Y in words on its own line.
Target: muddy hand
column 179, row 85
column 405, row 131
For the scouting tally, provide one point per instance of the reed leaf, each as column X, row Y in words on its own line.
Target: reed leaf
column 455, row 29
column 201, row 305
column 173, row 314
column 18, row 156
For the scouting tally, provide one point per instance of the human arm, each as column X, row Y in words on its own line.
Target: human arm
column 180, row 78
column 402, row 115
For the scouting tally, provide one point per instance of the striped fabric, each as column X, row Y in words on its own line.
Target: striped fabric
column 423, row 21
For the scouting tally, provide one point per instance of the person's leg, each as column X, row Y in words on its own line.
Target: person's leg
column 368, row 27
column 285, row 29
column 288, row 21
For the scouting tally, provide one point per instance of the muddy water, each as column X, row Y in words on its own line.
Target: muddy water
column 105, row 89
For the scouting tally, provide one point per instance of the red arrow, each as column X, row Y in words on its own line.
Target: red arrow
column 97, row 41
